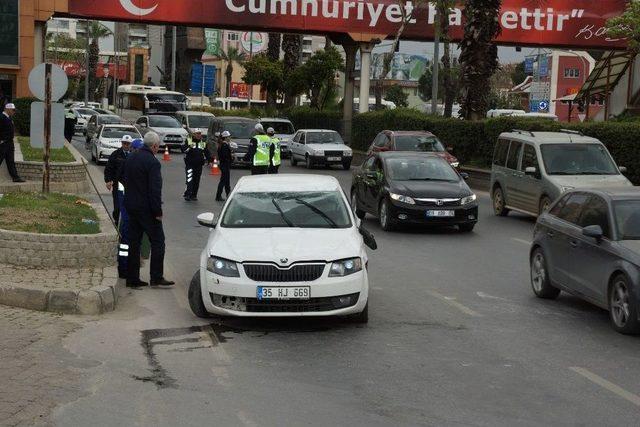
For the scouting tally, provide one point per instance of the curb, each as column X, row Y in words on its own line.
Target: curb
column 97, row 300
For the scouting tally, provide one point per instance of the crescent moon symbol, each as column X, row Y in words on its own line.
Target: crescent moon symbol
column 135, row 10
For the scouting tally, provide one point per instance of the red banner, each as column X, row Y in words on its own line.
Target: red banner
column 239, row 90
column 73, row 69
column 560, row 23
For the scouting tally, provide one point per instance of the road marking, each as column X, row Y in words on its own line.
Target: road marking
column 487, row 296
column 452, row 302
column 526, row 242
column 633, row 398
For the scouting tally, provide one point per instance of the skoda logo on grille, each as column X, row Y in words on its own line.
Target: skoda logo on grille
column 439, row 202
column 284, row 260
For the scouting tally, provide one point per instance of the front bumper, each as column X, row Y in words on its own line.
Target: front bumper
column 324, row 160
column 225, row 296
column 171, row 143
column 104, row 153
column 416, row 214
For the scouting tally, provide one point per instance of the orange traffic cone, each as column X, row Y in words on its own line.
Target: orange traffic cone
column 166, row 157
column 215, row 170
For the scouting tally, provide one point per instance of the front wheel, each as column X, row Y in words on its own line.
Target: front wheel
column 354, row 205
column 540, row 282
column 623, row 308
column 384, row 213
column 346, row 166
column 307, row 160
column 499, row 204
column 195, row 297
column 362, row 317
column 293, row 160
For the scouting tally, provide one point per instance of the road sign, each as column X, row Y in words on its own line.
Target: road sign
column 543, row 105
column 528, row 65
column 37, row 125
column 582, row 116
column 59, row 82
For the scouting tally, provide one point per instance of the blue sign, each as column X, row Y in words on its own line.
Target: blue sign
column 528, row 65
column 543, row 67
column 538, row 106
column 209, row 78
column 543, row 105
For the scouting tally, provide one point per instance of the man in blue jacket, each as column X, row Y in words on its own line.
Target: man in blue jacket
column 143, row 202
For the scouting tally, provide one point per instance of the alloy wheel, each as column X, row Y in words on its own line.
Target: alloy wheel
column 620, row 310
column 498, row 203
column 384, row 215
column 538, row 272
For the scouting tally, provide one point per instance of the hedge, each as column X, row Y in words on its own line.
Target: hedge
column 22, row 118
column 308, row 118
column 473, row 142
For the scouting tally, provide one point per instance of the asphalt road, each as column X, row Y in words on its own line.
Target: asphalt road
column 455, row 337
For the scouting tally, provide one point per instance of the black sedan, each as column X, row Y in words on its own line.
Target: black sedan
column 413, row 188
column 588, row 244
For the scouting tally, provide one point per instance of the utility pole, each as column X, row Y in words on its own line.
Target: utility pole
column 436, row 70
column 250, row 58
column 86, row 64
column 204, row 75
column 174, row 42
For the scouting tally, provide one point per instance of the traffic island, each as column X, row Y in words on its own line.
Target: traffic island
column 57, row 253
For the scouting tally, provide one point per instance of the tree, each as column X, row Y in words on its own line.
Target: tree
column 292, row 47
column 398, row 96
column 317, row 76
column 449, row 78
column 262, row 70
column 273, row 48
column 627, row 26
column 96, row 31
column 425, row 84
column 518, row 75
column 479, row 55
column 230, row 56
column 66, row 51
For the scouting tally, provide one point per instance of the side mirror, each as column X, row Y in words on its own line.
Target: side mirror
column 531, row 171
column 464, row 175
column 593, row 231
column 184, row 126
column 207, row 220
column 368, row 238
column 143, row 125
column 622, row 169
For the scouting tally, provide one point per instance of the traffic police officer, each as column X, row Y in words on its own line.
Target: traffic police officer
column 113, row 173
column 70, row 121
column 195, row 157
column 274, row 164
column 260, row 152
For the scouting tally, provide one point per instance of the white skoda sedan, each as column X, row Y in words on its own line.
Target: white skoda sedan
column 284, row 246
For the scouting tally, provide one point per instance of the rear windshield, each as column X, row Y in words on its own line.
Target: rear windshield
column 282, row 128
column 577, row 159
column 113, row 133
column 418, row 143
column 627, row 213
column 163, row 122
column 110, row 120
column 324, row 138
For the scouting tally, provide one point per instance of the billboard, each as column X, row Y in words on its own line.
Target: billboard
column 562, row 23
column 206, row 87
column 213, row 40
column 239, row 90
column 404, row 67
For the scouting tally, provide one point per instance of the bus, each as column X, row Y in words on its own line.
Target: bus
column 143, row 100
column 232, row 103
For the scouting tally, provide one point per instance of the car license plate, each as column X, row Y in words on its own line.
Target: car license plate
column 441, row 214
column 283, row 293
column 334, row 159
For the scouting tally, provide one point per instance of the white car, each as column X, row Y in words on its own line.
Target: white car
column 298, row 251
column 83, row 115
column 171, row 132
column 108, row 139
column 320, row 147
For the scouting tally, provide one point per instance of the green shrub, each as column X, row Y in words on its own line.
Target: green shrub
column 309, row 118
column 22, row 118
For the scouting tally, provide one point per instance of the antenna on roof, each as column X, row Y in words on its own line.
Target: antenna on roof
column 572, row 132
column 520, row 131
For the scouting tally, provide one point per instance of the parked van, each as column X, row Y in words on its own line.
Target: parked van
column 532, row 169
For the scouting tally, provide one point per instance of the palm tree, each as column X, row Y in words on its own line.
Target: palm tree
column 231, row 55
column 95, row 32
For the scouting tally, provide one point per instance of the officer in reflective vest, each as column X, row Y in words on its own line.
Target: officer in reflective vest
column 195, row 157
column 274, row 164
column 260, row 152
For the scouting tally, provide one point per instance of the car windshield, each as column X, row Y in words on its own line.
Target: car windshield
column 200, row 121
column 163, row 122
column 418, row 143
column 287, row 209
column 110, row 120
column 113, row 133
column 627, row 214
column 168, row 98
column 577, row 159
column 428, row 169
column 239, row 130
column 86, row 112
column 324, row 138
column 281, row 128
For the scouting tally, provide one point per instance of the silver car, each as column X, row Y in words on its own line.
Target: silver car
column 320, row 147
column 532, row 169
column 588, row 244
column 171, row 133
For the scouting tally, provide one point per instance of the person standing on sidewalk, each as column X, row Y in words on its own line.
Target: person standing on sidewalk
column 224, row 160
column 275, row 152
column 70, row 121
column 7, row 134
column 113, row 172
column 195, row 157
column 143, row 201
column 260, row 152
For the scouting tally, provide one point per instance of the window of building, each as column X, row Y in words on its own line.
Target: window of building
column 571, row 73
column 9, row 40
column 233, row 37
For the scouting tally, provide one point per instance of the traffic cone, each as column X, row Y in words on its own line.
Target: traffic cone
column 166, row 157
column 215, row 170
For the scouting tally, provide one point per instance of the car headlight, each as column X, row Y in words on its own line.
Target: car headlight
column 222, row 267
column 455, row 164
column 402, row 199
column 347, row 153
column 564, row 189
column 233, row 145
column 317, row 152
column 345, row 267
column 469, row 199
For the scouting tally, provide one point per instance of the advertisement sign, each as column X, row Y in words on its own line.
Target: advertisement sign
column 544, row 66
column 9, row 41
column 559, row 23
column 528, row 65
column 404, row 67
column 239, row 90
column 197, row 85
column 212, row 38
column 259, row 42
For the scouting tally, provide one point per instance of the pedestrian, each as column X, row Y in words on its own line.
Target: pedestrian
column 260, row 152
column 274, row 162
column 113, row 173
column 224, row 161
column 143, row 202
column 7, row 134
column 136, row 145
column 195, row 157
column 70, row 121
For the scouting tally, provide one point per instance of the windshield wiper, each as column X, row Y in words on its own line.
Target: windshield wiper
column 318, row 211
column 430, row 179
column 284, row 217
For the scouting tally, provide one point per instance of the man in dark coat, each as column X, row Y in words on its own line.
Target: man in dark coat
column 114, row 171
column 196, row 156
column 7, row 133
column 143, row 202
column 70, row 121
column 224, row 161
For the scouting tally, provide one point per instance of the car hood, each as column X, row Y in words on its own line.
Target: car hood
column 275, row 244
column 328, row 147
column 173, row 131
column 430, row 189
column 241, row 142
column 590, row 181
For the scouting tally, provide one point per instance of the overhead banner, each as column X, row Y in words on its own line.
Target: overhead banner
column 559, row 23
